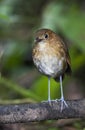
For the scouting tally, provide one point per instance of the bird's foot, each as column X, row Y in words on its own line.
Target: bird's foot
column 63, row 103
column 47, row 101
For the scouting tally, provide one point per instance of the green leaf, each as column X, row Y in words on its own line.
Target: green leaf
column 40, row 87
column 70, row 20
column 14, row 87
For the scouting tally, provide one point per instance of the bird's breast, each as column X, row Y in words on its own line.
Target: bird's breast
column 47, row 62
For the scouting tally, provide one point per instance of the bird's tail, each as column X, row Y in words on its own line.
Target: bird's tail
column 57, row 79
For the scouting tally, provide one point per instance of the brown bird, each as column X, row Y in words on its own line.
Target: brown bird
column 51, row 57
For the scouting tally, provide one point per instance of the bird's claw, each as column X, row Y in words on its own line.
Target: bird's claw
column 63, row 103
column 47, row 101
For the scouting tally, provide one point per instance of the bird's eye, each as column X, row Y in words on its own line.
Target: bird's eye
column 46, row 36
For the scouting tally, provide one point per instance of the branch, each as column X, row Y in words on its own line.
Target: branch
column 23, row 113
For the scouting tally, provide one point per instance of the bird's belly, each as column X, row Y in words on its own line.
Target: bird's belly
column 50, row 66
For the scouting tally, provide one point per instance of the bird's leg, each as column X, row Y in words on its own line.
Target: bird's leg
column 63, row 102
column 49, row 99
column 49, row 89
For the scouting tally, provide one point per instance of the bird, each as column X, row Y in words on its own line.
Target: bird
column 51, row 57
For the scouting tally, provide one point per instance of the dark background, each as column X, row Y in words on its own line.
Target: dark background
column 20, row 81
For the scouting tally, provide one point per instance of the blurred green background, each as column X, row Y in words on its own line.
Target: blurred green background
column 20, row 82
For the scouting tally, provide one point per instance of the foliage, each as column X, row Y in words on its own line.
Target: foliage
column 18, row 22
column 55, row 15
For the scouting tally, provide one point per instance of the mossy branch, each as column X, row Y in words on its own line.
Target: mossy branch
column 23, row 113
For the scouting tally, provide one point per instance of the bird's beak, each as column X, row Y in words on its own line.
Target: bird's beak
column 37, row 40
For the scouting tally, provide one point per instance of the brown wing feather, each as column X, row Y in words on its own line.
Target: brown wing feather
column 68, row 59
column 68, row 70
